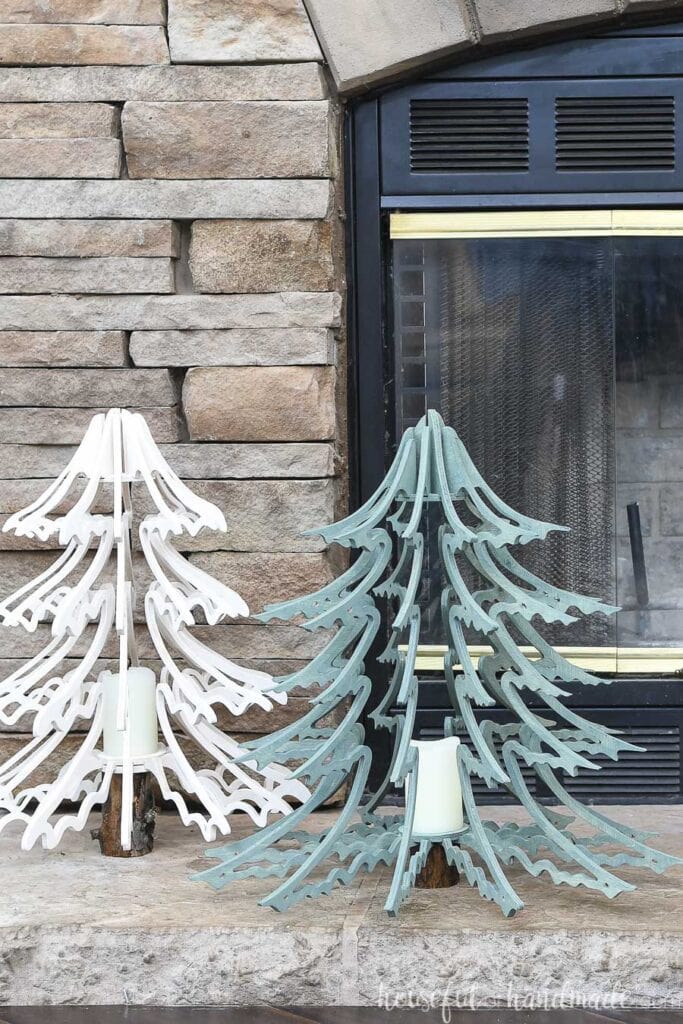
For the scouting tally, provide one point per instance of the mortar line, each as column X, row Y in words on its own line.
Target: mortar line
column 355, row 917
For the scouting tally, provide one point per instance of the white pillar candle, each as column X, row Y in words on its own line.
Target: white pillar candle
column 141, row 686
column 438, row 802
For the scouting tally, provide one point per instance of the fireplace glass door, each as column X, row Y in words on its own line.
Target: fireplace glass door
column 553, row 343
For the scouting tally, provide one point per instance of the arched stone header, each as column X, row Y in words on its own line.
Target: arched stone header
column 367, row 42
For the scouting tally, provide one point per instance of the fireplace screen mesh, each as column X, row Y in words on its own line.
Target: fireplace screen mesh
column 559, row 361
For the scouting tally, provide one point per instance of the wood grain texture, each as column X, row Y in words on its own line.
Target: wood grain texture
column 437, row 872
column 109, row 832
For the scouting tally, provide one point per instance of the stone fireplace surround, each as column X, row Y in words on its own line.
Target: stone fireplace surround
column 171, row 241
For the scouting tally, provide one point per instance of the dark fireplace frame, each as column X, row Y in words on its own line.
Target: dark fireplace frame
column 377, row 149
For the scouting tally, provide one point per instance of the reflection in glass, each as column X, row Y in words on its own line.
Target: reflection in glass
column 649, row 438
column 560, row 363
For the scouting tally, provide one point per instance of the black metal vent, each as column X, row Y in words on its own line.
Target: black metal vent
column 652, row 775
column 469, row 135
column 615, row 133
column 638, row 775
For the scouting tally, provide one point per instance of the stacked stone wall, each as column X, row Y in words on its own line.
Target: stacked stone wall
column 167, row 244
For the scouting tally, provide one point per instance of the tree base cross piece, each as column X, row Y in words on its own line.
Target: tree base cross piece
column 507, row 605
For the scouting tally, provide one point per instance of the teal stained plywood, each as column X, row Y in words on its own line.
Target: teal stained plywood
column 432, row 468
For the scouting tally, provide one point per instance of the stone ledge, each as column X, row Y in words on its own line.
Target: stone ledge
column 82, row 929
column 261, row 256
column 254, row 722
column 85, row 238
column 91, row 12
column 177, row 200
column 262, row 515
column 203, row 139
column 190, row 461
column 58, row 121
column 241, row 640
column 34, row 275
column 51, row 349
column 260, row 403
column 216, row 32
column 86, row 388
column 60, row 158
column 36, row 45
column 248, row 347
column 173, row 83
column 168, row 312
column 66, row 426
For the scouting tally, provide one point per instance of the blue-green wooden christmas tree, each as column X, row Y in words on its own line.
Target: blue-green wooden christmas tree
column 432, row 468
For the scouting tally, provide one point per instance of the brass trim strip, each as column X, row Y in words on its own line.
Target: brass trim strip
column 536, row 224
column 618, row 660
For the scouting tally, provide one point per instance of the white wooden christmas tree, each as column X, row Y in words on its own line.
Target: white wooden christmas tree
column 88, row 595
